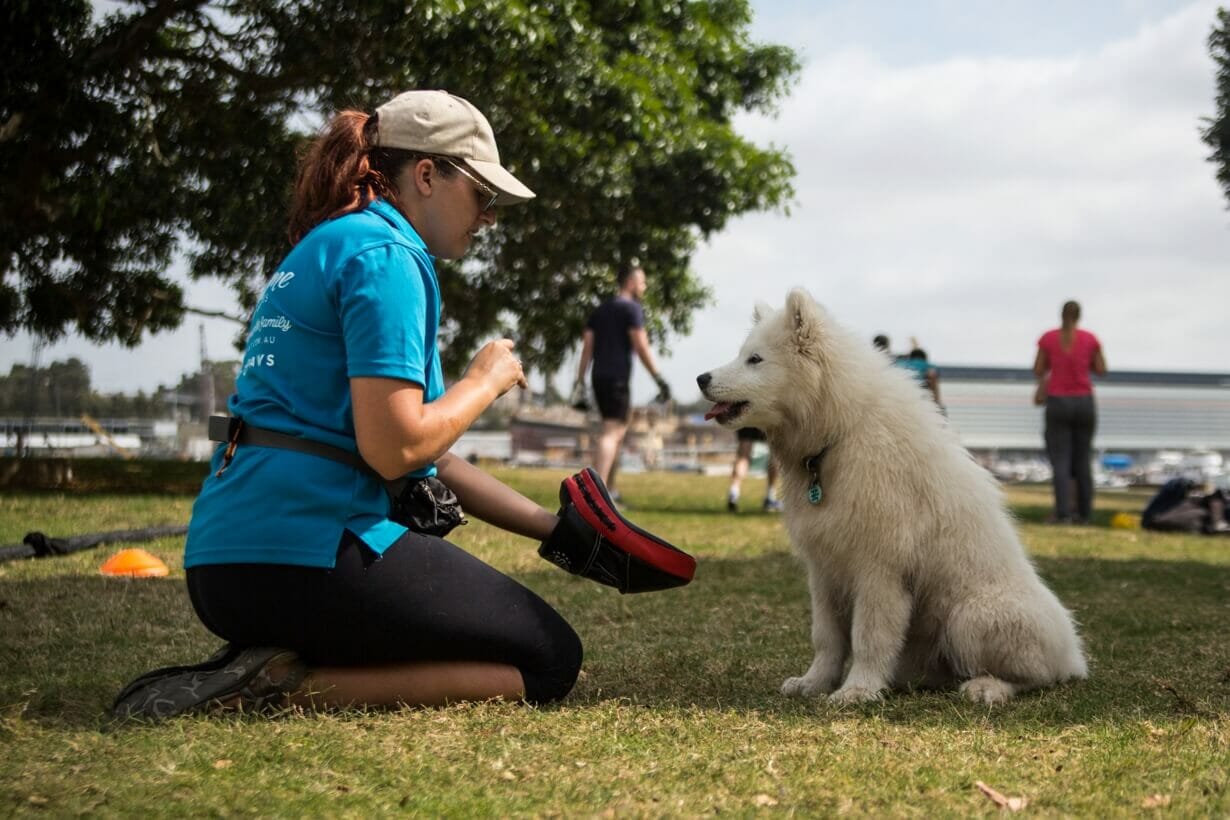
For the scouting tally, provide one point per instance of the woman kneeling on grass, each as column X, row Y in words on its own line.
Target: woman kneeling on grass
column 291, row 556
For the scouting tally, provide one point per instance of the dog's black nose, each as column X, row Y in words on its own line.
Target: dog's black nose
column 703, row 380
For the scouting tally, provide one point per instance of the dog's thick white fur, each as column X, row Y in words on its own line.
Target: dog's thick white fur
column 917, row 575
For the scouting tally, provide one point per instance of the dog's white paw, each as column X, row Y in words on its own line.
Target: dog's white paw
column 988, row 690
column 804, row 687
column 856, row 694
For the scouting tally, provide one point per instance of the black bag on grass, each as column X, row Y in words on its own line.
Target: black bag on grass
column 1181, row 506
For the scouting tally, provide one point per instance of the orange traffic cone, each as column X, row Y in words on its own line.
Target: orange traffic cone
column 136, row 563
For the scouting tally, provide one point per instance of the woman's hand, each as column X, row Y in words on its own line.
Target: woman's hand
column 497, row 367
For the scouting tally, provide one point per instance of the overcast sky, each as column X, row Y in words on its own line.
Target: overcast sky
column 963, row 169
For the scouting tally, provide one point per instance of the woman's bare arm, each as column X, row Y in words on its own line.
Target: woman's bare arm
column 1042, row 364
column 1099, row 363
column 397, row 432
column 486, row 497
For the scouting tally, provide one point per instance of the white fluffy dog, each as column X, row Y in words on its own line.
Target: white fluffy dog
column 916, row 572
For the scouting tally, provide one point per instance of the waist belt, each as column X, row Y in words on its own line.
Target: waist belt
column 424, row 504
column 234, row 431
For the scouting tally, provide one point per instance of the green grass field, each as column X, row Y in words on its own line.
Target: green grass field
column 677, row 711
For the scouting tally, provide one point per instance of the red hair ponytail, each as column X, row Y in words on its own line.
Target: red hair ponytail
column 336, row 174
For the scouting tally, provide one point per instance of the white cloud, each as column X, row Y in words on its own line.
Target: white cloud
column 962, row 200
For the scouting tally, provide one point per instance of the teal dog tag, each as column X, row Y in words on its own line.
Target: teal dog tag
column 812, row 465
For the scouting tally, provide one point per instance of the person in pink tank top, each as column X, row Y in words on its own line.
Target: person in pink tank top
column 1067, row 356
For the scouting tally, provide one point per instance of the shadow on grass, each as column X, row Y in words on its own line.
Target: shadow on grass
column 749, row 510
column 69, row 643
column 1155, row 631
column 1039, row 513
column 1034, row 513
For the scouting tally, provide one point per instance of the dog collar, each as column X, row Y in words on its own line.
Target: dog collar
column 812, row 465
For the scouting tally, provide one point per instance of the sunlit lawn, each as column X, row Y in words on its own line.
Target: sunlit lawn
column 677, row 712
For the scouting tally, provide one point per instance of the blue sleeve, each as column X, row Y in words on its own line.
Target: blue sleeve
column 384, row 306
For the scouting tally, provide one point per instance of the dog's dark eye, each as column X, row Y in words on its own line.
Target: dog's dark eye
column 754, row 359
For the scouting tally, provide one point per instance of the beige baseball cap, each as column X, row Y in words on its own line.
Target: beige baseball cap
column 437, row 122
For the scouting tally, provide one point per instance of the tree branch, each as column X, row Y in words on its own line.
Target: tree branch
column 219, row 314
column 124, row 45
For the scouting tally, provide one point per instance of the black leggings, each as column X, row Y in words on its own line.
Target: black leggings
column 423, row 600
column 1070, row 424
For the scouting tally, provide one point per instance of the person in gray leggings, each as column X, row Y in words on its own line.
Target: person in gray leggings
column 1066, row 357
column 1070, row 424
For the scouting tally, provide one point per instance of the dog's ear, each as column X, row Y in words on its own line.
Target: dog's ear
column 804, row 319
column 759, row 311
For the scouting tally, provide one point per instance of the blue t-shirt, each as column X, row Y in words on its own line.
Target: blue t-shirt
column 357, row 296
column 610, row 323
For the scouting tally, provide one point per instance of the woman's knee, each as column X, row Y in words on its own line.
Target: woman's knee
column 553, row 679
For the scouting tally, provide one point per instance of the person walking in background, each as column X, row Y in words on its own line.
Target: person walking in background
column 747, row 438
column 1066, row 357
column 615, row 330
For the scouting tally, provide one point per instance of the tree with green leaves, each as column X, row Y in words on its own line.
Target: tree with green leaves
column 59, row 389
column 62, row 389
column 1217, row 133
column 171, row 127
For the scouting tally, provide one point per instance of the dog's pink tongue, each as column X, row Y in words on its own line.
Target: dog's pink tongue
column 717, row 410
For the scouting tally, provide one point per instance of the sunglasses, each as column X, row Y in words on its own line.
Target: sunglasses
column 484, row 189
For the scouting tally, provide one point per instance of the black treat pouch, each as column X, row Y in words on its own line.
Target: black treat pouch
column 426, row 505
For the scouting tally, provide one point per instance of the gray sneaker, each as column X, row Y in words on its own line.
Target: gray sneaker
column 246, row 675
column 217, row 660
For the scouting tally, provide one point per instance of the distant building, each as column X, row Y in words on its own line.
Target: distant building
column 1150, row 425
column 562, row 435
column 85, row 436
column 1142, row 412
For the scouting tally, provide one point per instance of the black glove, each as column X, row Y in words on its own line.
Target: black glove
column 664, row 390
column 594, row 541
